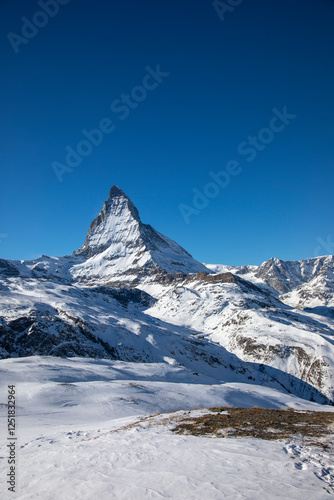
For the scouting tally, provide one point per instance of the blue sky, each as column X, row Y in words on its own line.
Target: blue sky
column 221, row 81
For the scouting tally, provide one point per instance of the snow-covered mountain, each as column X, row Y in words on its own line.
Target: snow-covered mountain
column 305, row 284
column 119, row 247
column 132, row 294
column 255, row 326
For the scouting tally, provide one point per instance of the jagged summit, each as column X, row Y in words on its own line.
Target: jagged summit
column 118, row 215
column 116, row 191
column 119, row 246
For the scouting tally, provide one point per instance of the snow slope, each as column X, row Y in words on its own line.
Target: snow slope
column 67, row 409
column 255, row 326
column 41, row 317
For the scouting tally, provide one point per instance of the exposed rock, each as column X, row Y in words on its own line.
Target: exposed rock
column 8, row 270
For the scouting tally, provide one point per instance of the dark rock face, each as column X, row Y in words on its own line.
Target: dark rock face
column 153, row 240
column 209, row 278
column 126, row 296
column 169, row 278
column 8, row 270
column 49, row 335
column 177, row 278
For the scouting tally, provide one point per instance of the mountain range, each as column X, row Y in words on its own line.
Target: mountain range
column 130, row 293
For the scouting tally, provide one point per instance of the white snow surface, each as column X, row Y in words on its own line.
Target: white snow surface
column 86, row 429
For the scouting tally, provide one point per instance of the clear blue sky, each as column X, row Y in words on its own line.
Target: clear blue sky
column 225, row 78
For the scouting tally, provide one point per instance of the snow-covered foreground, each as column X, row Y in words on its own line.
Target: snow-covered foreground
column 67, row 409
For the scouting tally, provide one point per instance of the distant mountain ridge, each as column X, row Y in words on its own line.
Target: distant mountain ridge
column 307, row 283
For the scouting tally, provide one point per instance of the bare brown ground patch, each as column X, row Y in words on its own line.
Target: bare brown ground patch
column 258, row 423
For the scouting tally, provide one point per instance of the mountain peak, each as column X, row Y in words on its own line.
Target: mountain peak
column 117, row 216
column 116, row 191
column 119, row 244
column 117, row 198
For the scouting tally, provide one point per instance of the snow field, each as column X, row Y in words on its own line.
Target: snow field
column 67, row 409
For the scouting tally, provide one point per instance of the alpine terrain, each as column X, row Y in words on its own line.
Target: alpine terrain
column 130, row 325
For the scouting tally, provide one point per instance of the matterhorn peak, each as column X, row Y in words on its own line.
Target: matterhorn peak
column 116, row 191
column 119, row 244
column 117, row 219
